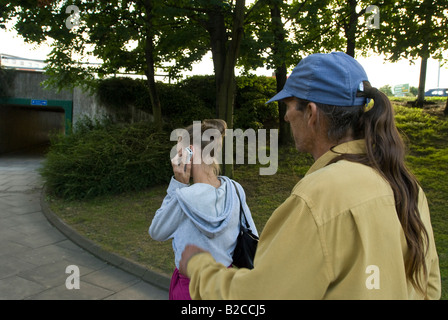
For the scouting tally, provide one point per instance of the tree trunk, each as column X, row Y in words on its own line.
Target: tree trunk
column 284, row 128
column 218, row 38
column 445, row 112
column 350, row 29
column 225, row 54
column 426, row 31
column 150, row 72
column 280, row 70
column 422, row 82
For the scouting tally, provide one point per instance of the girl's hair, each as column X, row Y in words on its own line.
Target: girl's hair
column 216, row 124
column 386, row 154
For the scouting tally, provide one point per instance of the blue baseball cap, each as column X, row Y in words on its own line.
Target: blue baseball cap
column 334, row 79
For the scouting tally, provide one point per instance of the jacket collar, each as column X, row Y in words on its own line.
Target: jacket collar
column 353, row 147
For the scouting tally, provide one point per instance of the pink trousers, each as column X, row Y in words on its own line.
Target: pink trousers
column 179, row 287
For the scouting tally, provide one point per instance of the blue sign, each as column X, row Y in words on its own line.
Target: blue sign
column 38, row 102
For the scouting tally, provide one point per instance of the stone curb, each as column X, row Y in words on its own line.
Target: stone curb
column 147, row 275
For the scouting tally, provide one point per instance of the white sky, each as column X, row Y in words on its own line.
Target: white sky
column 379, row 72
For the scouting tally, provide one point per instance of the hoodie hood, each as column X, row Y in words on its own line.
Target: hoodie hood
column 209, row 208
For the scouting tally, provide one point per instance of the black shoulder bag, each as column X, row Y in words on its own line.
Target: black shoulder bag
column 246, row 245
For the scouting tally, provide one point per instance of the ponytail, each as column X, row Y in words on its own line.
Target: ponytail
column 386, row 154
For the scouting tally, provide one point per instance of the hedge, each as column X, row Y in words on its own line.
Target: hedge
column 107, row 159
column 194, row 99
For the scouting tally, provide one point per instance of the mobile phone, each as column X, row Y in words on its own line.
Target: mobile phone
column 189, row 154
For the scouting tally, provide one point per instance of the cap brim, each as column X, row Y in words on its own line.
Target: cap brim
column 280, row 96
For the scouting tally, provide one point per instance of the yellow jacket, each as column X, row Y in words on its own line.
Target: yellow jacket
column 337, row 236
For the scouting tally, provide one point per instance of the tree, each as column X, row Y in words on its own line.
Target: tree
column 280, row 60
column 356, row 25
column 408, row 29
column 168, row 34
column 266, row 43
column 225, row 53
column 125, row 36
column 5, row 11
column 223, row 23
column 222, row 32
column 414, row 29
column 387, row 90
column 278, row 34
column 342, row 22
column 150, row 28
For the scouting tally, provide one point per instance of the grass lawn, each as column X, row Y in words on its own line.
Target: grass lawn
column 120, row 223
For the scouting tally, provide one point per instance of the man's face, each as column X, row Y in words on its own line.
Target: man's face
column 299, row 126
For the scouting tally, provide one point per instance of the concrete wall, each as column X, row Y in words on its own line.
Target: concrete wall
column 27, row 85
column 87, row 105
column 24, row 126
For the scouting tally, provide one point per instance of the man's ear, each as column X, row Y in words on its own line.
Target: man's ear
column 311, row 114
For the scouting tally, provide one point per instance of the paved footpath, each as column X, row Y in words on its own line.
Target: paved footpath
column 34, row 255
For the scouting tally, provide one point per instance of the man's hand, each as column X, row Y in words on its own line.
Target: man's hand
column 189, row 251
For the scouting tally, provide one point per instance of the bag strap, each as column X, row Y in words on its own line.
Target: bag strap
column 241, row 206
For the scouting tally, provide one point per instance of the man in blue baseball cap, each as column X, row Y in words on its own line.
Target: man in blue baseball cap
column 357, row 226
column 334, row 79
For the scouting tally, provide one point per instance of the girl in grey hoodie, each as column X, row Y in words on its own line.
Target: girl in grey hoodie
column 205, row 213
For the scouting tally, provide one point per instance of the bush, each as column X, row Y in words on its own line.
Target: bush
column 251, row 110
column 203, row 87
column 119, row 93
column 107, row 159
column 195, row 99
column 181, row 106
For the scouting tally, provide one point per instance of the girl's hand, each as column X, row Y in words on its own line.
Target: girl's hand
column 181, row 169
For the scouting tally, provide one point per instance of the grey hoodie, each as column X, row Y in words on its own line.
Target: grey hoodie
column 202, row 215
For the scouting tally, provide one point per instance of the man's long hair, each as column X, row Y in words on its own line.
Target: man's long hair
column 386, row 154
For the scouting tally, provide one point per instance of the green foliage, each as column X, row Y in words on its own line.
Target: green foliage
column 413, row 91
column 121, row 92
column 182, row 106
column 195, row 99
column 387, row 90
column 419, row 126
column 423, row 35
column 201, row 86
column 428, row 159
column 251, row 110
column 102, row 158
